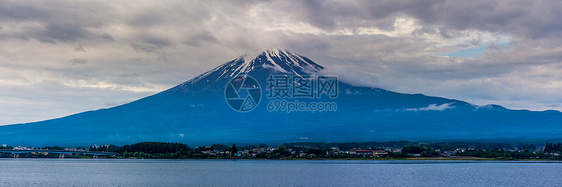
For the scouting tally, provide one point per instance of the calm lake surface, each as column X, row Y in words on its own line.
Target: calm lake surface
column 125, row 172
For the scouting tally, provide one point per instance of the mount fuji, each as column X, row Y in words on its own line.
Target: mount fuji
column 197, row 113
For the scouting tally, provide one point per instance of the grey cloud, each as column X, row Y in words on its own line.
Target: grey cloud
column 52, row 33
column 149, row 44
column 525, row 18
column 534, row 19
column 86, row 13
column 425, row 30
column 59, row 21
column 21, row 11
column 148, row 18
column 62, row 32
column 200, row 38
column 78, row 61
column 497, row 47
column 107, row 36
column 330, row 15
column 143, row 74
column 135, row 60
column 79, row 48
column 162, row 58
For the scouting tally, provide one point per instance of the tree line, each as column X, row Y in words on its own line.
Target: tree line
column 395, row 149
column 553, row 148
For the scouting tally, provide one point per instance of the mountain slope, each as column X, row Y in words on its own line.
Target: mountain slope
column 196, row 112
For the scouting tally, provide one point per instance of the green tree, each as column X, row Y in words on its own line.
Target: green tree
column 282, row 150
column 234, row 150
column 415, row 149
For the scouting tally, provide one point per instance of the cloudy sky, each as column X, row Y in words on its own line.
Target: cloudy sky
column 63, row 57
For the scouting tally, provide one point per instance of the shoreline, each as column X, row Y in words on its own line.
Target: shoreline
column 459, row 158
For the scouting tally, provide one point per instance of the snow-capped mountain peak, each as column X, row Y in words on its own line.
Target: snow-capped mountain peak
column 273, row 60
column 280, row 60
column 286, row 61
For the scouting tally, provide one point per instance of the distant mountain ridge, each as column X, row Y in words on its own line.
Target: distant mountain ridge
column 196, row 112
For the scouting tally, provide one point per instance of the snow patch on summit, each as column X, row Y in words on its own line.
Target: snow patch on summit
column 274, row 59
column 288, row 62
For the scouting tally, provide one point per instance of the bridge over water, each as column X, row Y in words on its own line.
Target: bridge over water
column 95, row 154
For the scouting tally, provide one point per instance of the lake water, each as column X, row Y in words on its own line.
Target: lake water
column 125, row 172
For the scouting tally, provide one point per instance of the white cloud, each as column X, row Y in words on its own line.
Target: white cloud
column 433, row 107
